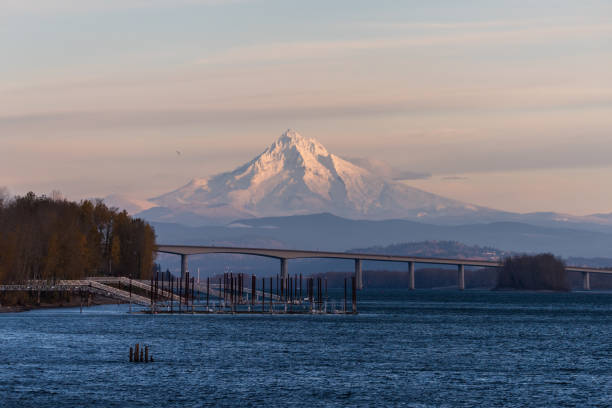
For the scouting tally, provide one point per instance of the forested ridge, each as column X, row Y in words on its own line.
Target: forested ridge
column 52, row 238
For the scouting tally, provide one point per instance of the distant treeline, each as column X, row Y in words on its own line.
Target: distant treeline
column 533, row 272
column 52, row 238
column 442, row 249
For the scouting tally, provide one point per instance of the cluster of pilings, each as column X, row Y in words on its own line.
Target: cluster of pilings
column 140, row 355
column 171, row 293
column 233, row 293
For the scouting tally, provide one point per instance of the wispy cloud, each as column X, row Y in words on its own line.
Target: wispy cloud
column 300, row 50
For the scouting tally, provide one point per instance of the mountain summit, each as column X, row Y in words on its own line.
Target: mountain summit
column 297, row 175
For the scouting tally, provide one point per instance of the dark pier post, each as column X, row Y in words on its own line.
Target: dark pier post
column 179, row 285
column 344, row 295
column 311, row 290
column 358, row 274
column 277, row 287
column 354, row 293
column 187, row 289
column 253, row 289
column 154, row 288
column 263, row 295
column 319, row 294
column 151, row 293
column 411, row 275
column 461, row 276
column 220, row 292
column 192, row 293
column 301, row 298
column 284, row 270
column 136, row 353
column 131, row 354
column 184, row 266
column 231, row 294
column 326, row 298
column 271, row 293
column 171, row 294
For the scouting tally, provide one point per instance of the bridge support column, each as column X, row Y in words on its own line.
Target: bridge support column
column 461, row 276
column 586, row 280
column 284, row 273
column 411, row 275
column 184, row 266
column 358, row 274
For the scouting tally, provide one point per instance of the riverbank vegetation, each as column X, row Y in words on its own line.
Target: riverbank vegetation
column 533, row 272
column 50, row 238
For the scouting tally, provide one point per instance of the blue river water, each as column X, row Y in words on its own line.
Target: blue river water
column 412, row 349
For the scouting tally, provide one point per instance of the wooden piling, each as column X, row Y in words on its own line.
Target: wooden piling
column 253, row 289
column 344, row 295
column 131, row 354
column 146, row 354
column 263, row 295
column 186, row 289
column 326, row 297
column 231, row 294
column 136, row 352
column 354, row 293
column 151, row 292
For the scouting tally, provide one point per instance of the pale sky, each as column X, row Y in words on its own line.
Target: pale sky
column 507, row 104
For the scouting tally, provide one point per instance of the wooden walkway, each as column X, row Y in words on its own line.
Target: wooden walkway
column 85, row 285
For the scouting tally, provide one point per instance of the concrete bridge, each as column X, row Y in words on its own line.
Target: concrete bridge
column 283, row 255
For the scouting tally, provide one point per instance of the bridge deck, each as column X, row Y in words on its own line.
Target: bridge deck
column 301, row 254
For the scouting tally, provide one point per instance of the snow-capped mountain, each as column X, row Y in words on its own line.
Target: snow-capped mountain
column 297, row 175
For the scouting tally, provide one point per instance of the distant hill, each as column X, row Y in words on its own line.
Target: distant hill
column 438, row 249
column 327, row 231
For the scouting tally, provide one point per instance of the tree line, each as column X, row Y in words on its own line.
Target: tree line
column 51, row 238
column 533, row 272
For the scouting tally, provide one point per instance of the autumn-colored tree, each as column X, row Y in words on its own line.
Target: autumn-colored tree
column 52, row 238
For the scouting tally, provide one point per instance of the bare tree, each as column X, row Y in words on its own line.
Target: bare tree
column 4, row 195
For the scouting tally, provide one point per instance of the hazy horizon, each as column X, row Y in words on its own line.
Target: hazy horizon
column 505, row 105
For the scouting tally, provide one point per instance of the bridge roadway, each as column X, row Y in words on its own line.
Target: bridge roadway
column 285, row 254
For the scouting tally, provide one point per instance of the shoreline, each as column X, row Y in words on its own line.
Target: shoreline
column 96, row 301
